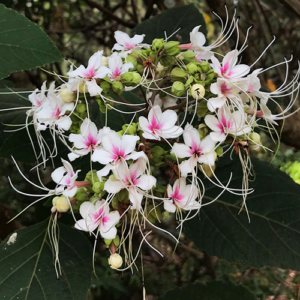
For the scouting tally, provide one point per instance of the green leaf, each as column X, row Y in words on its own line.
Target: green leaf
column 272, row 238
column 213, row 290
column 185, row 17
column 23, row 45
column 27, row 270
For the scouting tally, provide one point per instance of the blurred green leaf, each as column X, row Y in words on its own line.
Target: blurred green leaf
column 27, row 272
column 272, row 238
column 184, row 18
column 214, row 290
column 23, row 45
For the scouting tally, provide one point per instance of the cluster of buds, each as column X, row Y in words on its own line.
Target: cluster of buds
column 193, row 110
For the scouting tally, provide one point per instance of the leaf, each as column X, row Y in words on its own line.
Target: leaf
column 213, row 290
column 23, row 45
column 272, row 238
column 27, row 271
column 185, row 17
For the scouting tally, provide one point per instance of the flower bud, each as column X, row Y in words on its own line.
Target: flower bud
column 140, row 68
column 158, row 44
column 205, row 66
column 81, row 108
column 105, row 86
column 107, row 242
column 207, row 170
column 127, row 78
column 178, row 89
column 104, row 61
column 67, row 96
column 172, row 48
column 255, row 137
column 98, row 187
column 116, row 241
column 210, row 75
column 197, row 91
column 120, row 133
column 157, row 151
column 131, row 59
column 115, row 261
column 61, row 203
column 81, row 194
column 188, row 56
column 203, row 131
column 136, row 78
column 117, row 87
column 157, row 161
column 219, row 151
column 167, row 60
column 83, row 88
column 178, row 74
column 192, row 68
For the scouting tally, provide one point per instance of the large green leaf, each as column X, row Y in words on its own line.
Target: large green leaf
column 184, row 18
column 27, row 271
column 272, row 238
column 23, row 45
column 214, row 290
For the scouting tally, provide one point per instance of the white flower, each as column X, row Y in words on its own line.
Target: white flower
column 160, row 124
column 98, row 216
column 88, row 140
column 196, row 150
column 88, row 75
column 133, row 179
column 126, row 43
column 181, row 196
column 37, row 98
column 227, row 123
column 65, row 178
column 229, row 68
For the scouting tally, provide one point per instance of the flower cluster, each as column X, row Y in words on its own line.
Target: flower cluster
column 193, row 108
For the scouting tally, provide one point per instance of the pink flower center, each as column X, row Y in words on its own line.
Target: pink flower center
column 195, row 150
column 99, row 217
column 155, row 126
column 224, row 88
column 132, row 180
column 224, row 124
column 90, row 73
column 224, row 71
column 176, row 196
column 91, row 142
column 129, row 46
column 117, row 72
column 118, row 154
column 56, row 112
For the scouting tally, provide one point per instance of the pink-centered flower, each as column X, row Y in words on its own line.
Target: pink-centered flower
column 133, row 179
column 228, row 68
column 65, row 178
column 125, row 43
column 37, row 98
column 160, row 124
column 182, row 196
column 88, row 140
column 227, row 122
column 195, row 150
column 98, row 216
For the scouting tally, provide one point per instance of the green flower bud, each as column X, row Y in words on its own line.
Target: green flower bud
column 80, row 107
column 117, row 87
column 116, row 241
column 98, row 187
column 67, row 96
column 115, row 203
column 131, row 59
column 190, row 80
column 219, row 151
column 136, row 78
column 203, row 131
column 192, row 68
column 132, row 129
column 178, row 74
column 92, row 177
column 172, row 48
column 255, row 137
column 178, row 89
column 197, row 91
column 158, row 44
column 167, row 60
column 127, row 78
column 157, row 151
column 140, row 68
column 102, row 106
column 107, row 242
column 205, row 66
column 120, row 133
column 105, row 86
column 210, row 75
column 188, row 56
column 81, row 195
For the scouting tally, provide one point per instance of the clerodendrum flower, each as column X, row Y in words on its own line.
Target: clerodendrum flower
column 160, row 124
column 126, row 43
column 232, row 123
column 97, row 216
column 196, row 150
column 88, row 140
column 133, row 179
column 115, row 149
column 182, row 196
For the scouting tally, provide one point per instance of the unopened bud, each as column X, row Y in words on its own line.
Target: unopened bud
column 210, row 75
column 178, row 89
column 203, row 131
column 188, row 56
column 157, row 151
column 197, row 91
column 105, row 86
column 207, row 170
column 158, row 44
column 131, row 59
column 116, row 241
column 192, row 68
column 167, row 60
column 98, row 187
column 255, row 137
column 67, row 96
column 127, row 78
column 80, row 108
column 205, row 66
column 115, row 261
column 104, row 61
column 172, row 48
column 83, row 88
column 219, row 151
column 136, row 78
column 61, row 203
column 178, row 74
column 117, row 87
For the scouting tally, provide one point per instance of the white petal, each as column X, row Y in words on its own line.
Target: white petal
column 217, row 136
column 113, row 186
column 87, row 208
column 58, row 174
column 102, row 72
column 72, row 156
column 64, row 123
column 111, row 142
column 137, row 39
column 146, row 182
column 128, row 143
column 191, row 137
column 230, row 59
column 135, row 199
column 181, row 150
column 207, row 144
column 239, row 70
column 70, row 192
column 93, row 88
column 126, row 67
column 208, row 159
column 214, row 103
column 169, row 206
column 104, row 171
column 79, row 72
column 186, row 167
column 102, row 156
column 77, row 140
column 95, row 60
column 136, row 155
column 168, row 119
column 212, row 122
column 122, row 37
